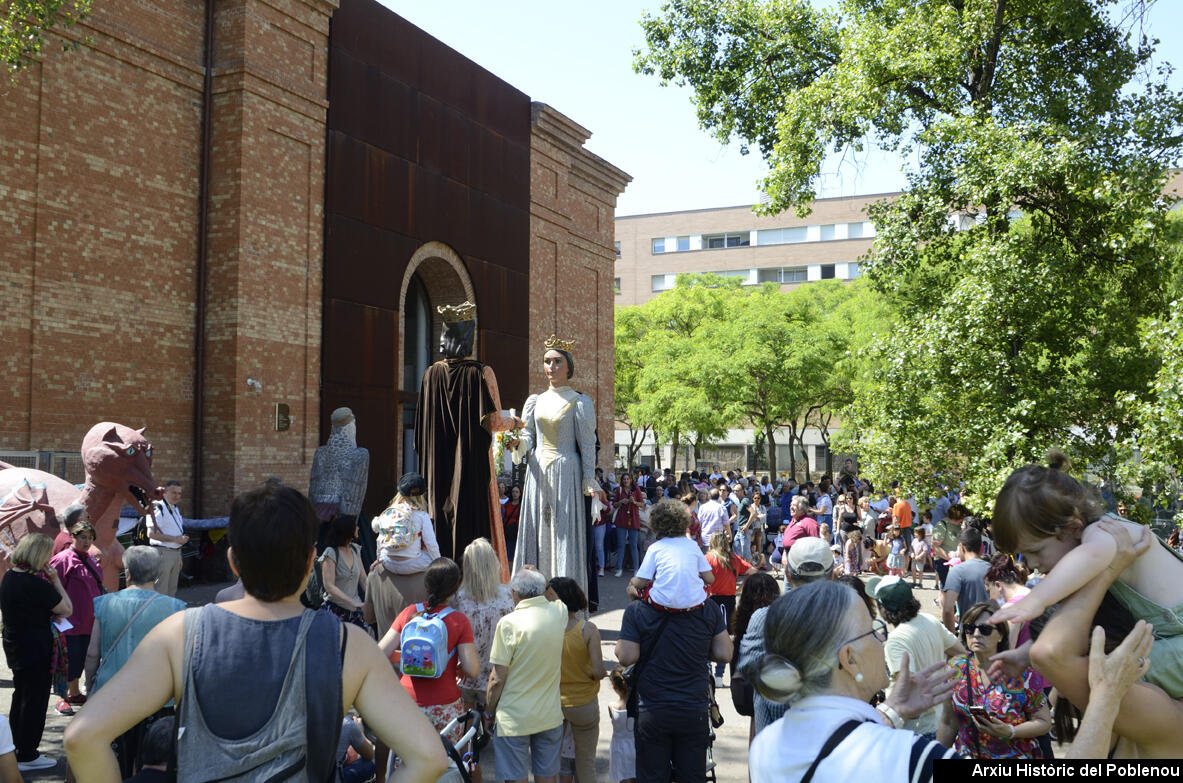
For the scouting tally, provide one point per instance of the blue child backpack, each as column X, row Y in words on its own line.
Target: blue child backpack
column 424, row 644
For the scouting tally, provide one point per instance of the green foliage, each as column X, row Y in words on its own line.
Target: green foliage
column 711, row 354
column 1010, row 334
column 23, row 24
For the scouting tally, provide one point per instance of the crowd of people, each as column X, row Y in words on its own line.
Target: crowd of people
column 806, row 598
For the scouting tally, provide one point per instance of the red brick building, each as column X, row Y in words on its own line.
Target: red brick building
column 289, row 217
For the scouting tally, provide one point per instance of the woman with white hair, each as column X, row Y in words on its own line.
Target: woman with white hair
column 829, row 673
column 121, row 621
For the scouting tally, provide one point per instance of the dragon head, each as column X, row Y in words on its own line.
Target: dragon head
column 119, row 459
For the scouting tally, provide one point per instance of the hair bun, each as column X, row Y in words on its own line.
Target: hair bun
column 1057, row 460
column 777, row 679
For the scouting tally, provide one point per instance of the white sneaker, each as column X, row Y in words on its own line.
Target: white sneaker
column 619, row 572
column 41, row 762
column 601, row 572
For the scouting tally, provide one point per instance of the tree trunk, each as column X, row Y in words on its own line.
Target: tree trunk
column 656, row 451
column 674, row 458
column 793, row 451
column 770, row 439
column 804, row 453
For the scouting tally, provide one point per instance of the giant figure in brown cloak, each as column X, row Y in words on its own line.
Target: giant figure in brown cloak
column 459, row 410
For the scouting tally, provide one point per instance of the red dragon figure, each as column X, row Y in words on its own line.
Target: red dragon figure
column 118, row 462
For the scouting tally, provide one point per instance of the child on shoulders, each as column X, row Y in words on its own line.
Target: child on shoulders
column 1049, row 517
column 406, row 535
column 674, row 572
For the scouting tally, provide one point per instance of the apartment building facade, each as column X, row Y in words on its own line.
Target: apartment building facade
column 785, row 249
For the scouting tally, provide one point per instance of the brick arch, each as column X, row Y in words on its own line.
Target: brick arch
column 444, row 276
column 447, row 281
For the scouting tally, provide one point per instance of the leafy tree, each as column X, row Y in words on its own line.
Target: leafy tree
column 23, row 24
column 1031, row 231
column 677, row 387
column 630, row 328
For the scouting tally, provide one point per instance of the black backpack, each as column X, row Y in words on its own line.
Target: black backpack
column 139, row 533
column 313, row 595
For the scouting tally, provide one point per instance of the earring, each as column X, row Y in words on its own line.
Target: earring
column 858, row 677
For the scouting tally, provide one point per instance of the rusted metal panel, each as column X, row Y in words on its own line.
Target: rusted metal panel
column 423, row 145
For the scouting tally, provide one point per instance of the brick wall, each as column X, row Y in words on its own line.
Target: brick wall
column 99, row 156
column 572, row 210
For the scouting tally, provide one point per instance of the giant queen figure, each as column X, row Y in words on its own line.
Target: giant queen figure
column 558, row 442
column 459, row 410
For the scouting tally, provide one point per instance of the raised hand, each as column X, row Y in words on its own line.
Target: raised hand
column 1010, row 664
column 1026, row 608
column 1125, row 665
column 915, row 693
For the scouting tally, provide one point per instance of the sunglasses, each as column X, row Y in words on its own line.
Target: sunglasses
column 985, row 629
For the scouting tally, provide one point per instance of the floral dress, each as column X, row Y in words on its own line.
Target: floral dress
column 1013, row 702
column 483, row 618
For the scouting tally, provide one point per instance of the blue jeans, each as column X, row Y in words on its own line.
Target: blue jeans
column 611, row 550
column 629, row 536
column 358, row 772
column 598, row 541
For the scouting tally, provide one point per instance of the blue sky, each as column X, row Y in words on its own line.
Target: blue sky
column 577, row 57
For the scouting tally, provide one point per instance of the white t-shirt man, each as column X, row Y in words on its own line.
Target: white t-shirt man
column 926, row 641
column 169, row 522
column 713, row 517
column 674, row 566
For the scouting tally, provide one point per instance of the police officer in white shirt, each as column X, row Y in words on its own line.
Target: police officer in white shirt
column 167, row 534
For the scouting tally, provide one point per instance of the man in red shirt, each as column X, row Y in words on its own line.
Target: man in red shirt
column 802, row 525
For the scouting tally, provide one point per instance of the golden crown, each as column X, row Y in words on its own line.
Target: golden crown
column 553, row 343
column 454, row 314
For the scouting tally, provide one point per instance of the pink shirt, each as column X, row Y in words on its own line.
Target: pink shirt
column 81, row 586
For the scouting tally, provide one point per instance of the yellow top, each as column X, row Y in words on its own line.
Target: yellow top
column 579, row 685
column 525, row 642
column 549, row 410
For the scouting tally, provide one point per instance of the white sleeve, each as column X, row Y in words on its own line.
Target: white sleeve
column 428, row 529
column 649, row 562
column 6, row 743
column 700, row 561
column 526, row 433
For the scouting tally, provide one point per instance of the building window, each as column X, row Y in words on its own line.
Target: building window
column 821, row 458
column 854, row 230
column 617, row 249
column 797, row 274
column 782, row 236
column 719, row 241
column 743, row 274
column 616, row 286
column 659, row 245
column 855, row 271
column 827, row 271
column 683, row 244
column 768, row 275
column 663, row 282
column 827, row 232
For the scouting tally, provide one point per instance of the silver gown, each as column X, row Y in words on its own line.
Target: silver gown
column 559, row 441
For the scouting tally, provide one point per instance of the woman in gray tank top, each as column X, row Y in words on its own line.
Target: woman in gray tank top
column 260, row 683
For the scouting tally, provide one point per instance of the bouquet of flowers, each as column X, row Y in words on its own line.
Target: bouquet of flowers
column 500, row 440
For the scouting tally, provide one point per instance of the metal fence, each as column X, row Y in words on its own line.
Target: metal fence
column 63, row 464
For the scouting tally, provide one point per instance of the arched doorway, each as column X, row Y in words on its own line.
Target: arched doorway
column 435, row 276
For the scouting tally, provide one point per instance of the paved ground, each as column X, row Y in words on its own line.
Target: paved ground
column 55, row 725
column 730, row 748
